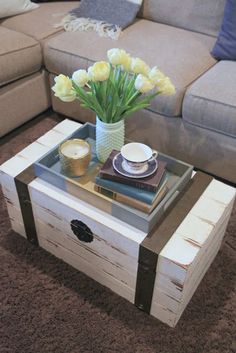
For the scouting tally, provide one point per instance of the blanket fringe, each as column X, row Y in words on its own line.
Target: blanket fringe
column 72, row 23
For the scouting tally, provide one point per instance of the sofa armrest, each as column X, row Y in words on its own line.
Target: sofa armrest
column 210, row 102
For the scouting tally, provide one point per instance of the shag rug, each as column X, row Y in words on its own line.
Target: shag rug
column 47, row 306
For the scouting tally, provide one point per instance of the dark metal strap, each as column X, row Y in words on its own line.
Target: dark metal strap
column 155, row 241
column 21, row 181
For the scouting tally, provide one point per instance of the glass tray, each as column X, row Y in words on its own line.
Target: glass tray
column 48, row 168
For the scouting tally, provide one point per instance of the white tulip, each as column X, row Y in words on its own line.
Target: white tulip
column 80, row 77
column 143, row 84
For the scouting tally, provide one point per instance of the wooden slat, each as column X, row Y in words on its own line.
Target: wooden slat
column 168, row 309
column 22, row 160
column 99, row 245
column 67, row 127
column 14, row 166
column 37, row 149
column 190, row 251
column 172, row 287
column 201, row 242
column 86, row 267
column 18, row 227
column 102, row 261
column 118, row 233
column 16, row 219
column 165, row 292
column 9, row 194
column 153, row 244
column 34, row 151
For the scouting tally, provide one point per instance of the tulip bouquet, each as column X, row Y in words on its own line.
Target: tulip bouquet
column 116, row 88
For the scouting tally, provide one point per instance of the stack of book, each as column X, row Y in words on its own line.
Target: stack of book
column 143, row 194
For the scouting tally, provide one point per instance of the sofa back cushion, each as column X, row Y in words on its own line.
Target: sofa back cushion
column 204, row 16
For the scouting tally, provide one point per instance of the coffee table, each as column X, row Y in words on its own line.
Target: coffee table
column 159, row 271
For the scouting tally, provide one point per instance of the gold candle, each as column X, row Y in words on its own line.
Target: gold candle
column 75, row 156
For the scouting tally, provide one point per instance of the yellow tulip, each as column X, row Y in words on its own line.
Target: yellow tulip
column 155, row 75
column 119, row 57
column 63, row 88
column 100, row 71
column 80, row 77
column 143, row 84
column 138, row 66
column 166, row 87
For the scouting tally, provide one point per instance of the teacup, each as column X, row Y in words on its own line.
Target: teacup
column 136, row 156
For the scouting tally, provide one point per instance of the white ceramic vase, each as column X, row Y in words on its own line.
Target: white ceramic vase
column 108, row 137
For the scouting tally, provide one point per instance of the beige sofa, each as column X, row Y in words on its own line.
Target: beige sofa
column 197, row 125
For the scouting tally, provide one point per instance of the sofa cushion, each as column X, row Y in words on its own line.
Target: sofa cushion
column 211, row 101
column 15, row 7
column 172, row 50
column 203, row 16
column 225, row 47
column 20, row 55
column 40, row 23
column 22, row 100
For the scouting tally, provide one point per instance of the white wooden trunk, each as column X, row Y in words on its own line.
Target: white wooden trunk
column 113, row 255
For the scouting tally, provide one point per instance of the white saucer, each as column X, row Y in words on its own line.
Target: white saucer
column 129, row 170
column 121, row 168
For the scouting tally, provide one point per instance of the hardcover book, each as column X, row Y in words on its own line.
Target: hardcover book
column 150, row 183
column 141, row 199
column 129, row 201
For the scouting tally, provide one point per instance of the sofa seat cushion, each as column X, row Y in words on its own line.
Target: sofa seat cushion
column 20, row 55
column 173, row 50
column 40, row 23
column 22, row 100
column 211, row 101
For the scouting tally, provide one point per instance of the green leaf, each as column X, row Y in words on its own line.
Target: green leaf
column 103, row 91
column 135, row 109
column 115, row 98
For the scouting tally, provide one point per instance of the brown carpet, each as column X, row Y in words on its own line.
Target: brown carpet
column 46, row 306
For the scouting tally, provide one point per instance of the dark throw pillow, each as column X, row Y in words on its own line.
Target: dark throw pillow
column 225, row 46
